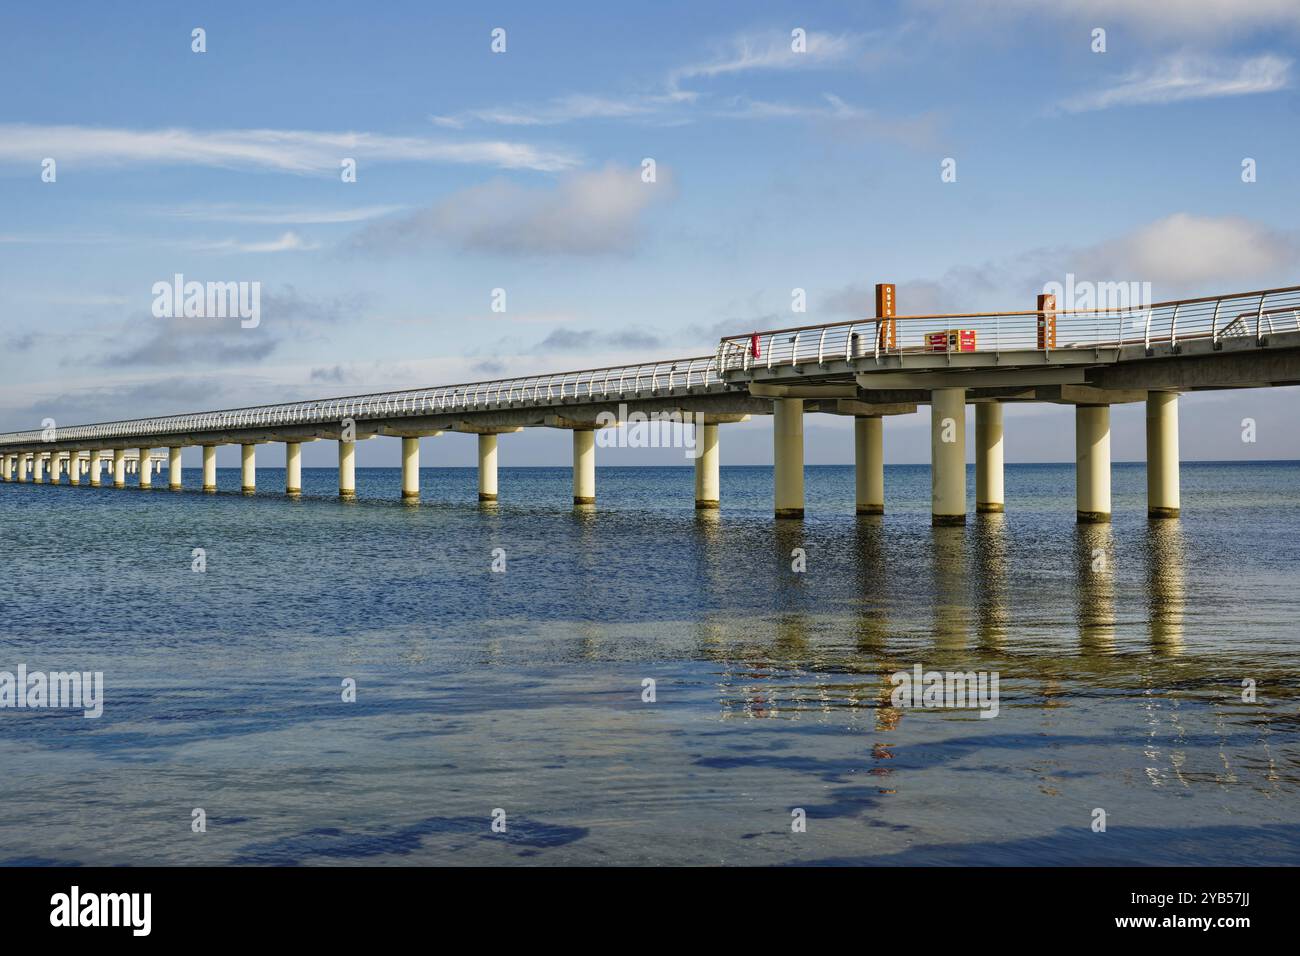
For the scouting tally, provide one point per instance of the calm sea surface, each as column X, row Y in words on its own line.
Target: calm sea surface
column 1121, row 689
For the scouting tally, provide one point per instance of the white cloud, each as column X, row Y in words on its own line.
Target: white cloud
column 587, row 213
column 1151, row 21
column 1183, row 249
column 291, row 151
column 1155, row 18
column 1190, row 77
column 1180, row 255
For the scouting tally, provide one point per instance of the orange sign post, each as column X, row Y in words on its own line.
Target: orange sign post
column 1047, row 321
column 886, row 324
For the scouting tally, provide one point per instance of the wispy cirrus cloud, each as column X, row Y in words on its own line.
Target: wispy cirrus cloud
column 567, row 109
column 670, row 103
column 270, row 215
column 288, row 242
column 1188, row 76
column 772, row 51
column 288, row 151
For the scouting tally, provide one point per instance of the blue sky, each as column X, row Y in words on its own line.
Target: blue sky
column 520, row 170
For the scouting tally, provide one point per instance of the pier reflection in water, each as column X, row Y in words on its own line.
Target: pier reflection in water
column 1086, row 625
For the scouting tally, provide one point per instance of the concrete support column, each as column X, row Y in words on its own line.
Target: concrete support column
column 119, row 468
column 584, row 467
column 1162, row 455
column 54, row 468
column 347, row 469
column 293, row 468
column 96, row 471
column 869, row 463
column 174, row 479
column 707, row 482
column 24, row 466
column 1092, row 456
column 38, row 469
column 989, row 497
column 487, row 468
column 209, row 467
column 248, row 462
column 6, row 467
column 74, row 469
column 948, row 456
column 787, row 456
column 144, row 468
column 410, row 469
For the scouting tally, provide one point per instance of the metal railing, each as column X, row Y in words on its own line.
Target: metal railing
column 1255, row 314
column 616, row 381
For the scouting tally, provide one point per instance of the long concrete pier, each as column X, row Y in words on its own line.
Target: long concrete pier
column 869, row 369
